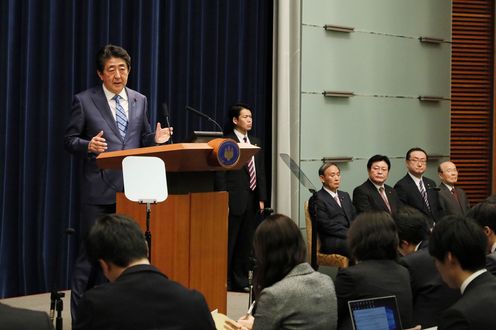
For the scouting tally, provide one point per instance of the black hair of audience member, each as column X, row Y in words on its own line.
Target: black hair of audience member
column 325, row 166
column 373, row 235
column 109, row 51
column 412, row 225
column 117, row 239
column 278, row 248
column 378, row 158
column 485, row 214
column 461, row 237
column 415, row 149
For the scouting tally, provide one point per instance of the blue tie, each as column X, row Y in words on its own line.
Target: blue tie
column 120, row 117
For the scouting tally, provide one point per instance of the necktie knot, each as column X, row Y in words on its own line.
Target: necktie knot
column 245, row 139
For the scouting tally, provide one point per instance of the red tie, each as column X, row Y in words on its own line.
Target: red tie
column 251, row 170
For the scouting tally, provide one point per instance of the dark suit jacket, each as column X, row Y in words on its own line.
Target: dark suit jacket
column 475, row 310
column 332, row 220
column 431, row 295
column 366, row 198
column 448, row 202
column 237, row 182
column 491, row 263
column 90, row 115
column 409, row 194
column 12, row 318
column 143, row 298
column 373, row 278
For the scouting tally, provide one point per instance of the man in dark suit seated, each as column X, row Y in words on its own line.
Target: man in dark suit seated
column 374, row 194
column 452, row 200
column 430, row 294
column 416, row 190
column 485, row 215
column 138, row 296
column 334, row 211
column 13, row 318
column 458, row 245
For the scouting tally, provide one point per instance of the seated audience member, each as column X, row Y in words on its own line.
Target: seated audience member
column 13, row 318
column 332, row 210
column 289, row 294
column 417, row 190
column 452, row 199
column 373, row 242
column 138, row 295
column 374, row 194
column 485, row 215
column 459, row 248
column 431, row 295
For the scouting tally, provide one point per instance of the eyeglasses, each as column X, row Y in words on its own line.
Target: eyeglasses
column 418, row 161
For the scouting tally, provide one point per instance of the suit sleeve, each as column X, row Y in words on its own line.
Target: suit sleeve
column 147, row 136
column 74, row 141
column 261, row 183
column 452, row 319
column 268, row 313
column 85, row 315
column 327, row 223
column 345, row 286
column 361, row 201
column 401, row 192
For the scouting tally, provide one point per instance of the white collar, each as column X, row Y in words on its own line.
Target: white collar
column 109, row 95
column 470, row 279
column 333, row 194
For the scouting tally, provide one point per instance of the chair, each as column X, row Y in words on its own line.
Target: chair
column 316, row 257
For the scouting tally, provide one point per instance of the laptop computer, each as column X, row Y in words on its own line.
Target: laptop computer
column 379, row 313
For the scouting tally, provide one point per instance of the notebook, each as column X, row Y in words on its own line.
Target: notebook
column 379, row 313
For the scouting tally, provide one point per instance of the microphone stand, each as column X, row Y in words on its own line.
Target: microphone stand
column 148, row 233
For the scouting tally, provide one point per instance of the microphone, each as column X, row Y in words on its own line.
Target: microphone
column 433, row 188
column 201, row 114
column 165, row 113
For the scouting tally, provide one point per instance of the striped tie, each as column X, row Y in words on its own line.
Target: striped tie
column 251, row 170
column 424, row 194
column 120, row 117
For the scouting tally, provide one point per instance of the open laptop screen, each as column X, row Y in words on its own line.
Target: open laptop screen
column 375, row 314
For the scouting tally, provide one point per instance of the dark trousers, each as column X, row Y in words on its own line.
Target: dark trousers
column 239, row 246
column 86, row 275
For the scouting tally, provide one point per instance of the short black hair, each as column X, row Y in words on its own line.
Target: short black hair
column 415, row 149
column 378, row 158
column 109, row 51
column 411, row 224
column 463, row 238
column 485, row 214
column 117, row 239
column 373, row 235
column 235, row 110
column 325, row 166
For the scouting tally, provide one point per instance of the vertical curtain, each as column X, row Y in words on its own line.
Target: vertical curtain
column 206, row 54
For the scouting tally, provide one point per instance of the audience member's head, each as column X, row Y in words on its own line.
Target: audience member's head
column 278, row 247
column 330, row 176
column 485, row 215
column 412, row 228
column 458, row 245
column 416, row 161
column 116, row 242
column 378, row 167
column 373, row 235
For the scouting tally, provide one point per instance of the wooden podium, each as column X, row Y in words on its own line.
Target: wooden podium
column 189, row 229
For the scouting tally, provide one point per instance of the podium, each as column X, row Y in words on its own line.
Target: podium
column 190, row 228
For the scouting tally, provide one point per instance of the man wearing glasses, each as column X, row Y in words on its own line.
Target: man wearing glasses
column 416, row 190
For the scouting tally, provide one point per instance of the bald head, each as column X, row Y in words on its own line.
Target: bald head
column 448, row 173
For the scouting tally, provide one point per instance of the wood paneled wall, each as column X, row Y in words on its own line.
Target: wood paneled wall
column 472, row 90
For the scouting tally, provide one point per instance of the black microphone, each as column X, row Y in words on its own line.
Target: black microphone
column 201, row 114
column 165, row 113
column 433, row 188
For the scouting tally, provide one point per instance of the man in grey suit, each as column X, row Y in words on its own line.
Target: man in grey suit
column 452, row 200
column 108, row 117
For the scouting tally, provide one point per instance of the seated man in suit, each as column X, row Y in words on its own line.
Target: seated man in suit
column 458, row 245
column 430, row 294
column 485, row 215
column 452, row 200
column 138, row 296
column 416, row 190
column 13, row 318
column 374, row 194
column 333, row 211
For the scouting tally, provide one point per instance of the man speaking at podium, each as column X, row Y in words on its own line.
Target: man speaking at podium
column 108, row 117
column 247, row 197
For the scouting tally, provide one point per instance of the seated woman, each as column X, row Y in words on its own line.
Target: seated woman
column 289, row 293
column 373, row 243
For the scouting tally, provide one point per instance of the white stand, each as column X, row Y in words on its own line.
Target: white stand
column 145, row 182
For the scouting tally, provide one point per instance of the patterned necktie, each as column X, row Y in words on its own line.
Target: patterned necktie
column 384, row 197
column 120, row 117
column 251, row 170
column 423, row 192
